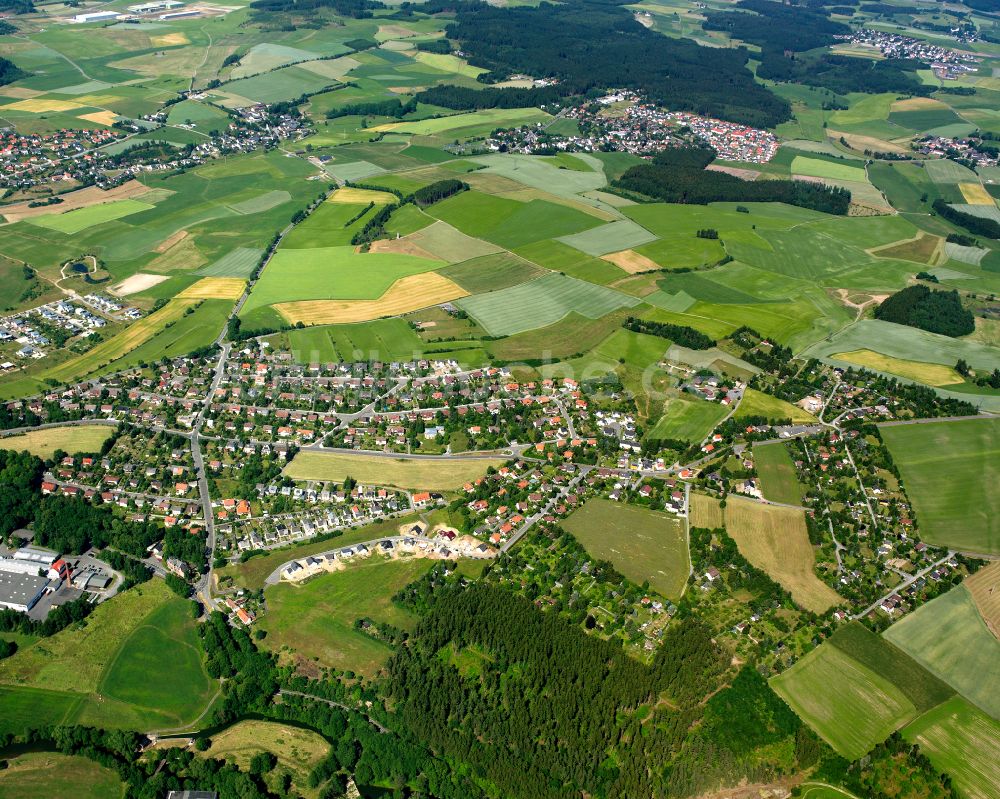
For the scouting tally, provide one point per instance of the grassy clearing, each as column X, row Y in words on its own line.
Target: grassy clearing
column 404, row 296
column 45, row 775
column 297, row 750
column 949, row 638
column 113, row 348
column 756, row 403
column 315, row 619
column 951, row 471
column 778, row 479
column 775, row 539
column 687, row 418
column 848, row 705
column 642, row 544
column 82, row 438
column 542, row 302
column 402, row 472
column 963, row 742
column 73, row 222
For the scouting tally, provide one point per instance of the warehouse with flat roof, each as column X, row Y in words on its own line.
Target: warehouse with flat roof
column 21, row 591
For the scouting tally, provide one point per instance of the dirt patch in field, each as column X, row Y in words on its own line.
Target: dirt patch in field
column 405, row 295
column 857, row 300
column 137, row 283
column 735, row 171
column 631, row 261
column 402, row 247
column 76, row 199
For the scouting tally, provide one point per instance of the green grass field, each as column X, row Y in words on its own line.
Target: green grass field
column 383, row 339
column 963, row 742
column 612, row 237
column 848, row 705
column 83, row 438
column 401, row 472
column 541, row 302
column 562, row 258
column 315, row 619
column 469, row 124
column 327, row 227
column 238, row 263
column 819, row 168
column 778, row 480
column 491, row 272
column 49, row 775
column 73, row 222
column 688, row 419
column 642, row 544
column 756, row 403
column 951, row 472
column 949, row 638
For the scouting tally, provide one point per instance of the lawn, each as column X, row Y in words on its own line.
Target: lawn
column 49, row 775
column 72, row 439
column 756, row 403
column 775, row 540
column 950, row 639
column 847, row 704
column 442, row 474
column 687, row 418
column 315, row 619
column 778, row 480
column 80, row 219
column 963, row 742
column 951, row 471
column 644, row 545
column 331, row 273
column 542, row 302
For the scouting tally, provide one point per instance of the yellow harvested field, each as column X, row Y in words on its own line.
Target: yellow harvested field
column 107, row 351
column 930, row 374
column 349, row 195
column 407, row 473
column 404, row 246
column 100, row 117
column 859, row 142
column 631, row 261
column 136, row 283
column 984, row 586
column 19, row 92
column 214, row 288
column 775, row 540
column 917, row 104
column 169, row 40
column 705, row 512
column 39, row 106
column 975, row 194
column 407, row 294
column 72, row 438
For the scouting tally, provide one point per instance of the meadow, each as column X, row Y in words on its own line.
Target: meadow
column 930, row 374
column 963, row 742
column 949, row 638
column 756, row 403
column 847, row 704
column 775, row 540
column 951, row 471
column 441, row 474
column 687, row 418
column 43, row 443
column 43, row 775
column 705, row 511
column 541, row 302
column 80, row 219
column 384, row 339
column 778, row 479
column 644, row 545
column 491, row 272
column 612, row 237
column 315, row 619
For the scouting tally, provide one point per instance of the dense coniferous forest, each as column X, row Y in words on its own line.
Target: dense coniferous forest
column 934, row 311
column 978, row 225
column 679, row 334
column 679, row 176
column 597, row 44
column 463, row 98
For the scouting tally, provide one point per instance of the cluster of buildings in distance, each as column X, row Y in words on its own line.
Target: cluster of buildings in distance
column 947, row 64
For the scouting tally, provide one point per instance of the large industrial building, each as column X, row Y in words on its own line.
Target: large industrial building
column 25, row 576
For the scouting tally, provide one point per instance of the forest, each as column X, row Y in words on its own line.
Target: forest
column 934, row 311
column 597, row 44
column 679, row 176
column 978, row 225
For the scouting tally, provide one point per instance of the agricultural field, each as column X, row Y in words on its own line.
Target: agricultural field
column 442, row 474
column 687, row 418
column 848, row 705
column 705, row 511
column 82, row 218
column 756, row 403
column 962, row 511
column 778, row 480
column 314, row 620
column 43, row 443
column 43, row 775
column 775, row 540
column 984, row 586
column 644, row 545
column 949, row 638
